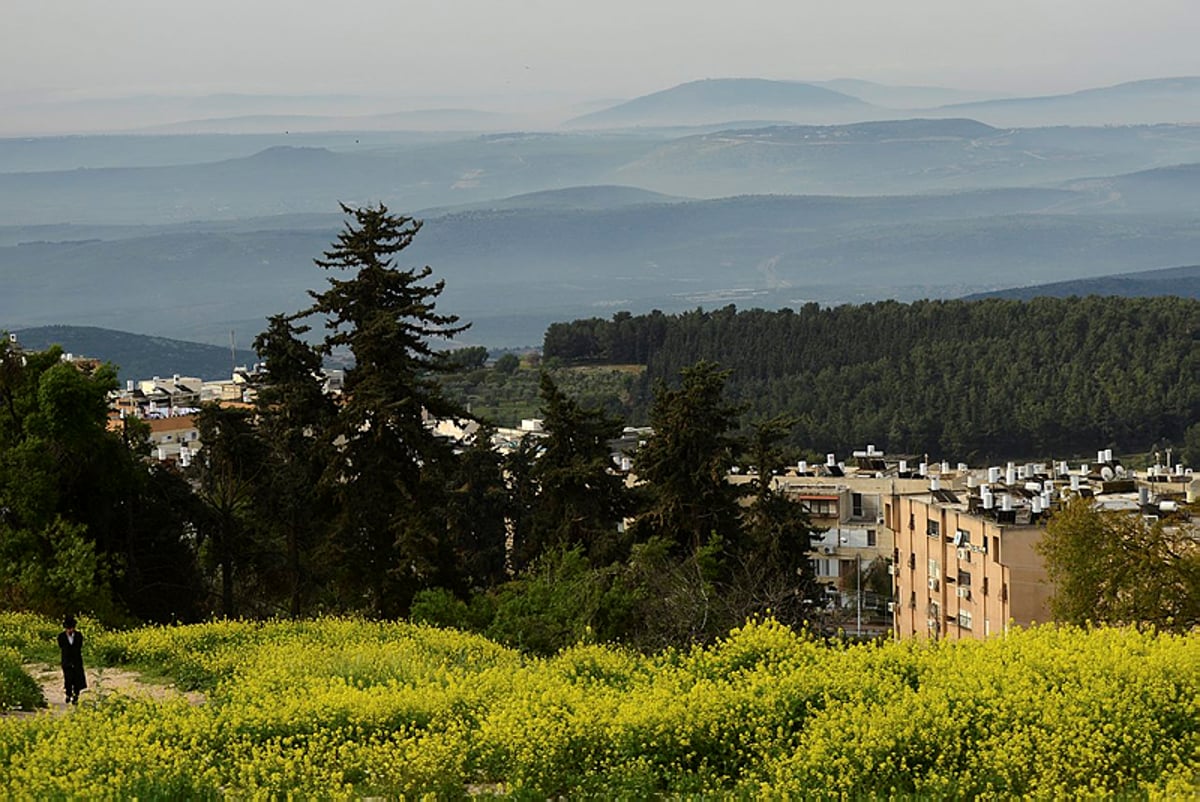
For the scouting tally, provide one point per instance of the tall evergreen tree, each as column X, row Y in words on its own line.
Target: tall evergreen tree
column 473, row 551
column 686, row 461
column 773, row 570
column 227, row 472
column 581, row 499
column 294, row 414
column 385, row 469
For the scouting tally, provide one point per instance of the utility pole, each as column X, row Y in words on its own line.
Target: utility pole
column 858, row 558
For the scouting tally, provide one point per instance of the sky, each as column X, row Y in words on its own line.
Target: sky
column 615, row 49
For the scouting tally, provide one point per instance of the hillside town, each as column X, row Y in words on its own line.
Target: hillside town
column 906, row 545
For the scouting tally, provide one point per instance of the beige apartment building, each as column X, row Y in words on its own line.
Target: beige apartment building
column 963, row 571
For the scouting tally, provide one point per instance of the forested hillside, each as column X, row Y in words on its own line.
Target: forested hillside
column 961, row 379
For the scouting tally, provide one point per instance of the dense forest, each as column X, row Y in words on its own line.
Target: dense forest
column 972, row 380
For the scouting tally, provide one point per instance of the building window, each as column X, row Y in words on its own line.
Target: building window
column 933, row 528
column 962, row 538
column 964, row 619
column 935, row 569
column 964, row 579
column 870, row 537
column 821, row 508
column 856, row 505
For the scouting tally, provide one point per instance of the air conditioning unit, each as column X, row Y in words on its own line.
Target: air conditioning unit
column 891, row 607
column 964, row 554
column 933, row 583
column 891, row 570
column 964, row 593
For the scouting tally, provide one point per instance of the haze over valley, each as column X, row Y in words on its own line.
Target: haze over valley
column 189, row 209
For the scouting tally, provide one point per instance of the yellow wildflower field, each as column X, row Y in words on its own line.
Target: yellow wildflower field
column 335, row 708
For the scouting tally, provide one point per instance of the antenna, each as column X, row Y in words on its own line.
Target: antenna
column 232, row 354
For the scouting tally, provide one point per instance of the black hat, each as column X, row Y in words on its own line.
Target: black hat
column 69, row 622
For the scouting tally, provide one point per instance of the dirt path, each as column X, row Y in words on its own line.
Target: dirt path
column 103, row 682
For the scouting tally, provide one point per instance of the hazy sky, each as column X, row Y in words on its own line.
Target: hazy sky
column 615, row 48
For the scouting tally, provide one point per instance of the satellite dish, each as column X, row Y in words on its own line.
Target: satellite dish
column 1106, row 473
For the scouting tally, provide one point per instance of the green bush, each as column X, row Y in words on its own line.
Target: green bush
column 18, row 690
column 441, row 608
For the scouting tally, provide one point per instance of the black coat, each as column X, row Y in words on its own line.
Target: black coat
column 72, row 659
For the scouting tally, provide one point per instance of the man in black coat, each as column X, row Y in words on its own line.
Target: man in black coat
column 70, row 643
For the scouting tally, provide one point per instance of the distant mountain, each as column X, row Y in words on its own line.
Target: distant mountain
column 192, row 281
column 286, row 179
column 729, row 99
column 138, row 356
column 56, row 153
column 1158, row 100
column 311, row 173
column 900, row 157
column 1171, row 190
column 903, row 97
column 418, row 120
column 589, row 197
column 1181, row 281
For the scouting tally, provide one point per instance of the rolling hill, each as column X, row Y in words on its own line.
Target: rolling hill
column 1181, row 281
column 1158, row 100
column 513, row 270
column 876, row 158
column 730, row 99
column 139, row 356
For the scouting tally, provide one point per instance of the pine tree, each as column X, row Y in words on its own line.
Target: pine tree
column 294, row 415
column 227, row 473
column 686, row 462
column 581, row 499
column 774, row 573
column 387, row 460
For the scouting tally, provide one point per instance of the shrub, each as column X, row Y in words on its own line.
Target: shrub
column 18, row 690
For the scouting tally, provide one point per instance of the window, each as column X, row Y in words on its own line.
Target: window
column 821, row 508
column 870, row 537
column 995, row 549
column 935, row 569
column 856, row 505
column 964, row 579
column 933, row 528
column 962, row 537
column 964, row 619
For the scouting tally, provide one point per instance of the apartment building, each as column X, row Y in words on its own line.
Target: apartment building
column 847, row 503
column 965, row 565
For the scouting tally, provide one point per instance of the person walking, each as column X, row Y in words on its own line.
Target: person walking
column 70, row 643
